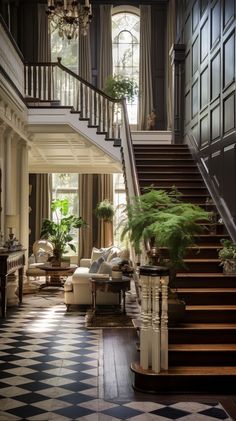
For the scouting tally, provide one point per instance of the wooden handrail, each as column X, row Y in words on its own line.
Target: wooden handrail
column 220, row 204
column 85, row 82
column 130, row 150
column 73, row 74
column 91, row 102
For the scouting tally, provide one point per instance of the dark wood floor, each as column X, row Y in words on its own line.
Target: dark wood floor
column 119, row 346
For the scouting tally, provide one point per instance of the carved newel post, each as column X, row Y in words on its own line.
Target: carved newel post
column 154, row 318
column 177, row 54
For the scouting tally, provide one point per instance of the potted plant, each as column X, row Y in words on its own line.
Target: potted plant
column 227, row 255
column 166, row 227
column 119, row 86
column 105, row 210
column 59, row 232
column 161, row 220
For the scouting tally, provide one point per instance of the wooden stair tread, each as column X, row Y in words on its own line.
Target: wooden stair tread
column 168, row 157
column 197, row 326
column 201, row 260
column 202, row 347
column 211, row 307
column 201, row 274
column 177, row 180
column 178, row 187
column 189, row 370
column 169, row 172
column 200, row 247
column 201, row 326
column 207, row 290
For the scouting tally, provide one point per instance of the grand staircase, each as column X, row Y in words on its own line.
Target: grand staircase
column 202, row 349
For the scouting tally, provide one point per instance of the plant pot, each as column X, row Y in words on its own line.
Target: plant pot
column 65, row 262
column 229, row 267
column 116, row 274
column 176, row 310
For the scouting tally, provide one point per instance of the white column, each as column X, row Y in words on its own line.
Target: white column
column 24, row 197
column 8, row 173
column 2, row 166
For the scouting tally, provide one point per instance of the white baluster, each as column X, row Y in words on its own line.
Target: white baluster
column 37, row 82
column 164, row 322
column 146, row 320
column 156, row 358
column 26, row 81
column 46, row 89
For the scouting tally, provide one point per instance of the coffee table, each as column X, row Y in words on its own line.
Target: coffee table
column 116, row 285
column 55, row 273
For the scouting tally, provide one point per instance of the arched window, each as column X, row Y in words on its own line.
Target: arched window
column 125, row 48
column 67, row 50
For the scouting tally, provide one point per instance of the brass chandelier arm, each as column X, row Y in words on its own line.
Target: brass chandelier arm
column 69, row 17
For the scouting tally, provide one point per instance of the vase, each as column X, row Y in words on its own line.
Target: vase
column 229, row 267
column 116, row 274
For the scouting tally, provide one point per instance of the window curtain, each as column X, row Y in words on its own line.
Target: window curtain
column 85, row 67
column 105, row 191
column 44, row 44
column 145, row 73
column 171, row 28
column 87, row 185
column 105, row 181
column 105, row 47
column 42, row 204
column 94, row 188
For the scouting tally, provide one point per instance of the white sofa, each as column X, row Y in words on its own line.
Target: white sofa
column 78, row 290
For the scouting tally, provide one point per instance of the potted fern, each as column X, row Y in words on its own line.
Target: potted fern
column 227, row 255
column 167, row 227
column 161, row 219
column 58, row 232
column 105, row 210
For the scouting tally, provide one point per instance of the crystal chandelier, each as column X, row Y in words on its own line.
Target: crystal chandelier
column 70, row 17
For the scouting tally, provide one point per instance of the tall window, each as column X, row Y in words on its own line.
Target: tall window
column 68, row 51
column 66, row 186
column 125, row 50
column 119, row 204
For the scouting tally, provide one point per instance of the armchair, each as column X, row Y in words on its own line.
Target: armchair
column 42, row 250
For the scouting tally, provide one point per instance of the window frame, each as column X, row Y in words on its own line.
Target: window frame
column 135, row 11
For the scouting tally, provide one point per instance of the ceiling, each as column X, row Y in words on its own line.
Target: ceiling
column 62, row 149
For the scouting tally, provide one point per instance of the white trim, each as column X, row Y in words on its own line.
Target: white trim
column 125, row 9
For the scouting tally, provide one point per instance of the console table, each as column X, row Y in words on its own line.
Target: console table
column 116, row 285
column 10, row 261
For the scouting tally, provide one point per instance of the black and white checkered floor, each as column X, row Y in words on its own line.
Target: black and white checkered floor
column 51, row 368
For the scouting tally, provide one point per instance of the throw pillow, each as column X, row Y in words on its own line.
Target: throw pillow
column 96, row 265
column 105, row 268
column 96, row 253
column 113, row 253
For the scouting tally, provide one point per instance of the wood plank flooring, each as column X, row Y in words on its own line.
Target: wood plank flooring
column 119, row 350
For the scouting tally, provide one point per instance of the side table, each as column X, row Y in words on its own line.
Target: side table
column 116, row 285
column 55, row 273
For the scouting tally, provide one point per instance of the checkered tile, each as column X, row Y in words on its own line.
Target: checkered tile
column 51, row 369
